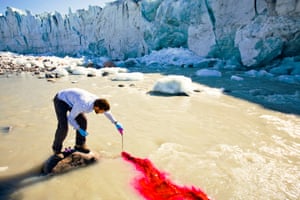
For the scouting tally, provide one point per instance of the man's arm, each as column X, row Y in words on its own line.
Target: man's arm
column 114, row 121
column 110, row 117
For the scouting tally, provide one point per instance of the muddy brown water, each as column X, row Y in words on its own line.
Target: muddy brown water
column 229, row 147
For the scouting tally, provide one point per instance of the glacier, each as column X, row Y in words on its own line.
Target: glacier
column 243, row 32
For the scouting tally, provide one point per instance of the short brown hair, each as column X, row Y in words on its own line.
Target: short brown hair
column 102, row 104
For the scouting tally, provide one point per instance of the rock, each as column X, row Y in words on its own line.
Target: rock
column 105, row 74
column 72, row 160
column 91, row 75
column 48, row 75
column 109, row 64
column 93, row 65
column 6, row 129
column 51, row 80
column 197, row 90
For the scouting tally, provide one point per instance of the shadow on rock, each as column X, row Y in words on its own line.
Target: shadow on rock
column 53, row 166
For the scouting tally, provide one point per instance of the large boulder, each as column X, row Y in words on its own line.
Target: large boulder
column 71, row 160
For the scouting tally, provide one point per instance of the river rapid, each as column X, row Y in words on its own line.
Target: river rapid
column 229, row 147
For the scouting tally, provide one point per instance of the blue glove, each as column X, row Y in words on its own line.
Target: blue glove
column 119, row 127
column 82, row 132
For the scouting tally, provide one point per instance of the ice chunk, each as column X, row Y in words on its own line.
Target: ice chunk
column 173, row 84
column 208, row 72
column 134, row 76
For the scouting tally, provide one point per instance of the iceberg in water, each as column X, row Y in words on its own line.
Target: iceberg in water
column 173, row 85
column 208, row 73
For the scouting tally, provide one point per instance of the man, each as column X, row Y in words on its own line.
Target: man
column 77, row 102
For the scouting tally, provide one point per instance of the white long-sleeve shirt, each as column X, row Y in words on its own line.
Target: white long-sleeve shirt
column 80, row 101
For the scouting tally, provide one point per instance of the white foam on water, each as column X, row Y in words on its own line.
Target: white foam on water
column 109, row 155
column 285, row 125
column 245, row 172
column 4, row 168
column 251, row 173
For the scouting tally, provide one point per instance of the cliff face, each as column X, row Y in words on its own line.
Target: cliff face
column 252, row 33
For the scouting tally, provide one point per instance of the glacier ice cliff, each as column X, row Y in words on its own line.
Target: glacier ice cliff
column 250, row 33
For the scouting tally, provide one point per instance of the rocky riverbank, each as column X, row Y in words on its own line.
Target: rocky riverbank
column 49, row 66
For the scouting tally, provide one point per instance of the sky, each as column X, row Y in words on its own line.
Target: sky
column 40, row 6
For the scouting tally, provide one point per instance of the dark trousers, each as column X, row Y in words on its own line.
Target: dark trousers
column 61, row 109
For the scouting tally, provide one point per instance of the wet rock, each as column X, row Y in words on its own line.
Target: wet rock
column 93, row 65
column 48, row 75
column 91, row 75
column 105, row 74
column 109, row 64
column 51, row 80
column 72, row 160
column 197, row 90
column 6, row 129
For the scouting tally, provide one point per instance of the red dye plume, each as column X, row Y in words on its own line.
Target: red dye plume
column 154, row 185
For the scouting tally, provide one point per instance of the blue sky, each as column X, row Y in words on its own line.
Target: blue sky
column 40, row 6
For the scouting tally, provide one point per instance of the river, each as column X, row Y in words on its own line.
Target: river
column 229, row 147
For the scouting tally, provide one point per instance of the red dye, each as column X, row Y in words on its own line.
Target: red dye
column 154, row 185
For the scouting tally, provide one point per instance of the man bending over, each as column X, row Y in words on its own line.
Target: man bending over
column 77, row 102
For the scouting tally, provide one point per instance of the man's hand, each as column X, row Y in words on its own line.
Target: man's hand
column 82, row 132
column 119, row 127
